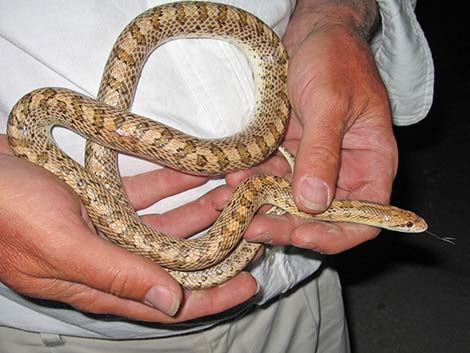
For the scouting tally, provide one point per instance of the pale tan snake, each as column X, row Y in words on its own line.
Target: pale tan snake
column 109, row 127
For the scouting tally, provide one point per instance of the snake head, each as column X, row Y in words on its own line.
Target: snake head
column 407, row 222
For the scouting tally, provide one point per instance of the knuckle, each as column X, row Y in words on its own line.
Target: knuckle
column 323, row 154
column 120, row 284
column 86, row 301
column 332, row 100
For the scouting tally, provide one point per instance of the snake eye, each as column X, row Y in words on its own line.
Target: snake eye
column 409, row 224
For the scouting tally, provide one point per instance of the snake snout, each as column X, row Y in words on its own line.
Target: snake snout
column 415, row 224
column 421, row 223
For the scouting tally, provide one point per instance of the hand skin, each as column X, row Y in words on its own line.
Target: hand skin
column 50, row 250
column 340, row 127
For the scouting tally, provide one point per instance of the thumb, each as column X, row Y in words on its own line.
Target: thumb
column 111, row 270
column 317, row 162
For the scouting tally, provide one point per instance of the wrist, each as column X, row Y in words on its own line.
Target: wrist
column 360, row 17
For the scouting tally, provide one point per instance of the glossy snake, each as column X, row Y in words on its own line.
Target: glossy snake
column 109, row 127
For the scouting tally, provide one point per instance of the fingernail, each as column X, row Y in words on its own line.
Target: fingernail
column 261, row 238
column 162, row 299
column 314, row 193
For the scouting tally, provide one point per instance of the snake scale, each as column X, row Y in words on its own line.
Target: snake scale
column 109, row 127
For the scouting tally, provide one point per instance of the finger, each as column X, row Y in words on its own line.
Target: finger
column 215, row 300
column 331, row 238
column 322, row 237
column 196, row 303
column 233, row 179
column 91, row 300
column 94, row 262
column 197, row 214
column 145, row 189
column 271, row 229
column 318, row 160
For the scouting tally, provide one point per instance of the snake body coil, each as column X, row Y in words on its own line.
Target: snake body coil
column 109, row 127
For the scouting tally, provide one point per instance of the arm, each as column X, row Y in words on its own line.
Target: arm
column 333, row 85
column 340, row 128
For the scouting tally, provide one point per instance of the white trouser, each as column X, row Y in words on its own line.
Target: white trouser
column 308, row 319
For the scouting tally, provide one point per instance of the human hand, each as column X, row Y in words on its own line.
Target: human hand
column 49, row 248
column 340, row 131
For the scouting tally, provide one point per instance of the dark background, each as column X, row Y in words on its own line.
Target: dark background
column 411, row 293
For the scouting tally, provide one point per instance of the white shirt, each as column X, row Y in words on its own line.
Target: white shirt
column 203, row 87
